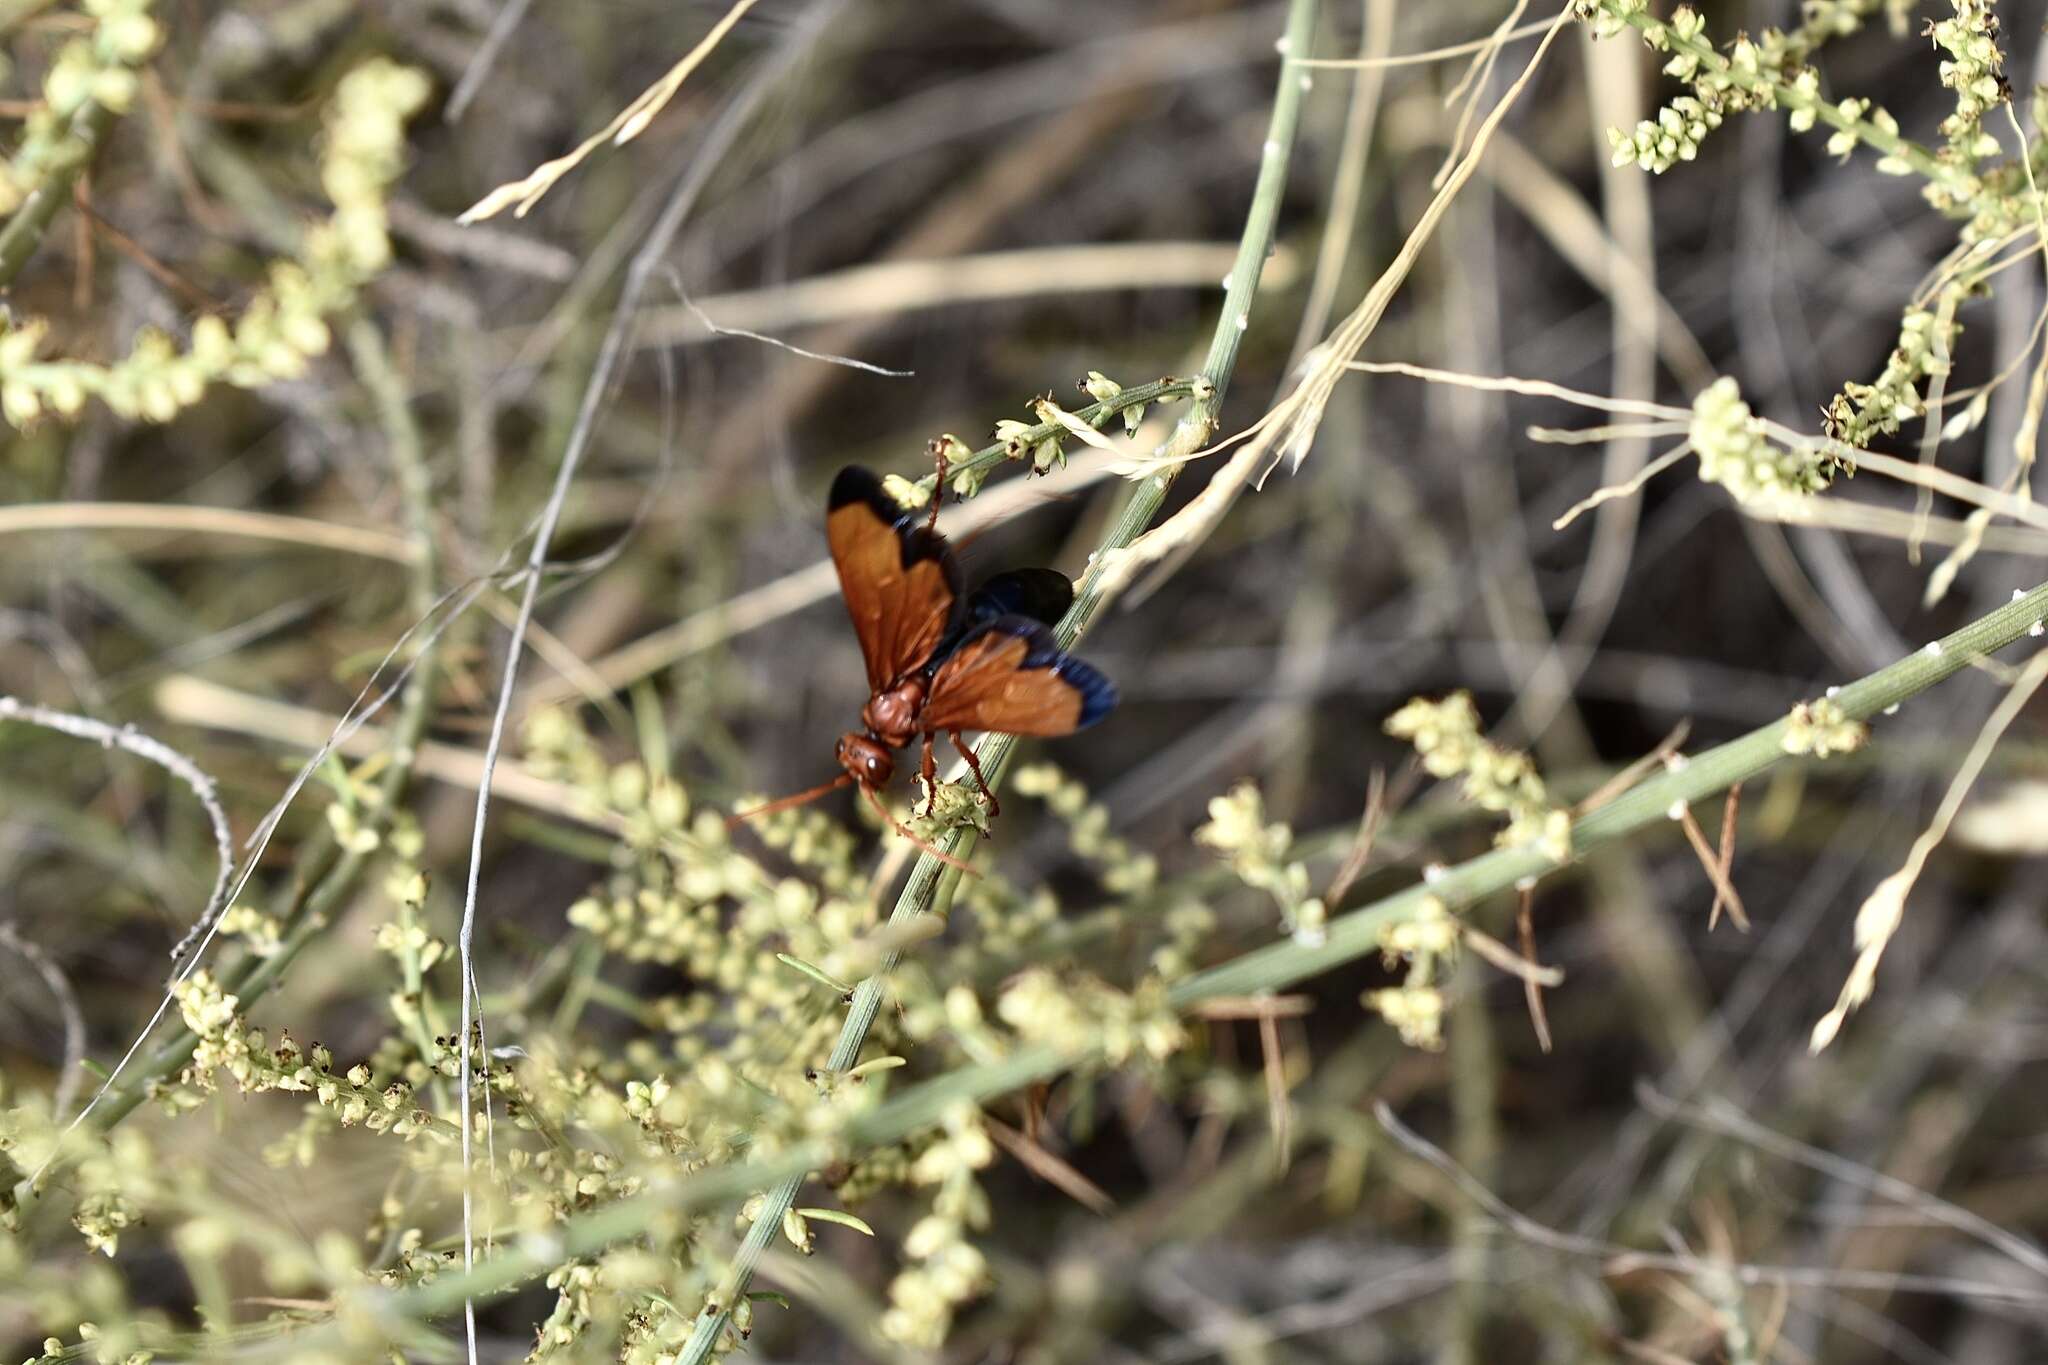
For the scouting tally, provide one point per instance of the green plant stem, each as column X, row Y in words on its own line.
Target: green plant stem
column 372, row 359
column 1094, row 414
column 1954, row 178
column 1475, row 1080
column 24, row 231
column 1189, row 435
column 1275, row 967
column 1706, row 775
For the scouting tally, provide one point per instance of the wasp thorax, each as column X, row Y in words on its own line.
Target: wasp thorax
column 892, row 716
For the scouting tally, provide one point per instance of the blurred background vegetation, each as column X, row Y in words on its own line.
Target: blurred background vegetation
column 998, row 197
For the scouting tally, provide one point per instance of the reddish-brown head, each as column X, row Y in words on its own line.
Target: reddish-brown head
column 866, row 759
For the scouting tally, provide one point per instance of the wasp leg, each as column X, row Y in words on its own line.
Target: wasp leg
column 995, row 807
column 929, row 770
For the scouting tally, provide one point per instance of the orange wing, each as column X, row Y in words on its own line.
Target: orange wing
column 1011, row 676
column 900, row 582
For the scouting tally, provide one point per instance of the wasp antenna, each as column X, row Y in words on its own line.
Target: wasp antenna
column 735, row 821
column 948, row 859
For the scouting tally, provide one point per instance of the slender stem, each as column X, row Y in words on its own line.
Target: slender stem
column 1189, row 435
column 408, row 462
column 24, row 231
column 407, row 450
column 1475, row 1078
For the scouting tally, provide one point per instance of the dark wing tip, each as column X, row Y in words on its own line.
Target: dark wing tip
column 856, row 484
column 1041, row 594
column 1098, row 693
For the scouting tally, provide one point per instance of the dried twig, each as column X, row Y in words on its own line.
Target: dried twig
column 1235, row 1007
column 1281, row 1113
column 1724, row 889
column 1049, row 1168
column 1360, row 852
column 1636, row 771
column 1524, row 969
column 1532, row 991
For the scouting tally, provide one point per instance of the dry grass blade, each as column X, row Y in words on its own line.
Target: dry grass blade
column 1914, row 475
column 1891, row 466
column 1718, row 865
column 525, row 192
column 1076, row 428
column 170, row 519
column 1879, row 917
column 1434, row 54
column 1896, row 523
column 1348, row 179
column 1627, row 489
column 1528, row 388
column 1769, row 1334
column 502, row 24
column 187, row 700
column 1930, row 436
column 1601, row 435
column 1467, row 91
column 890, row 288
